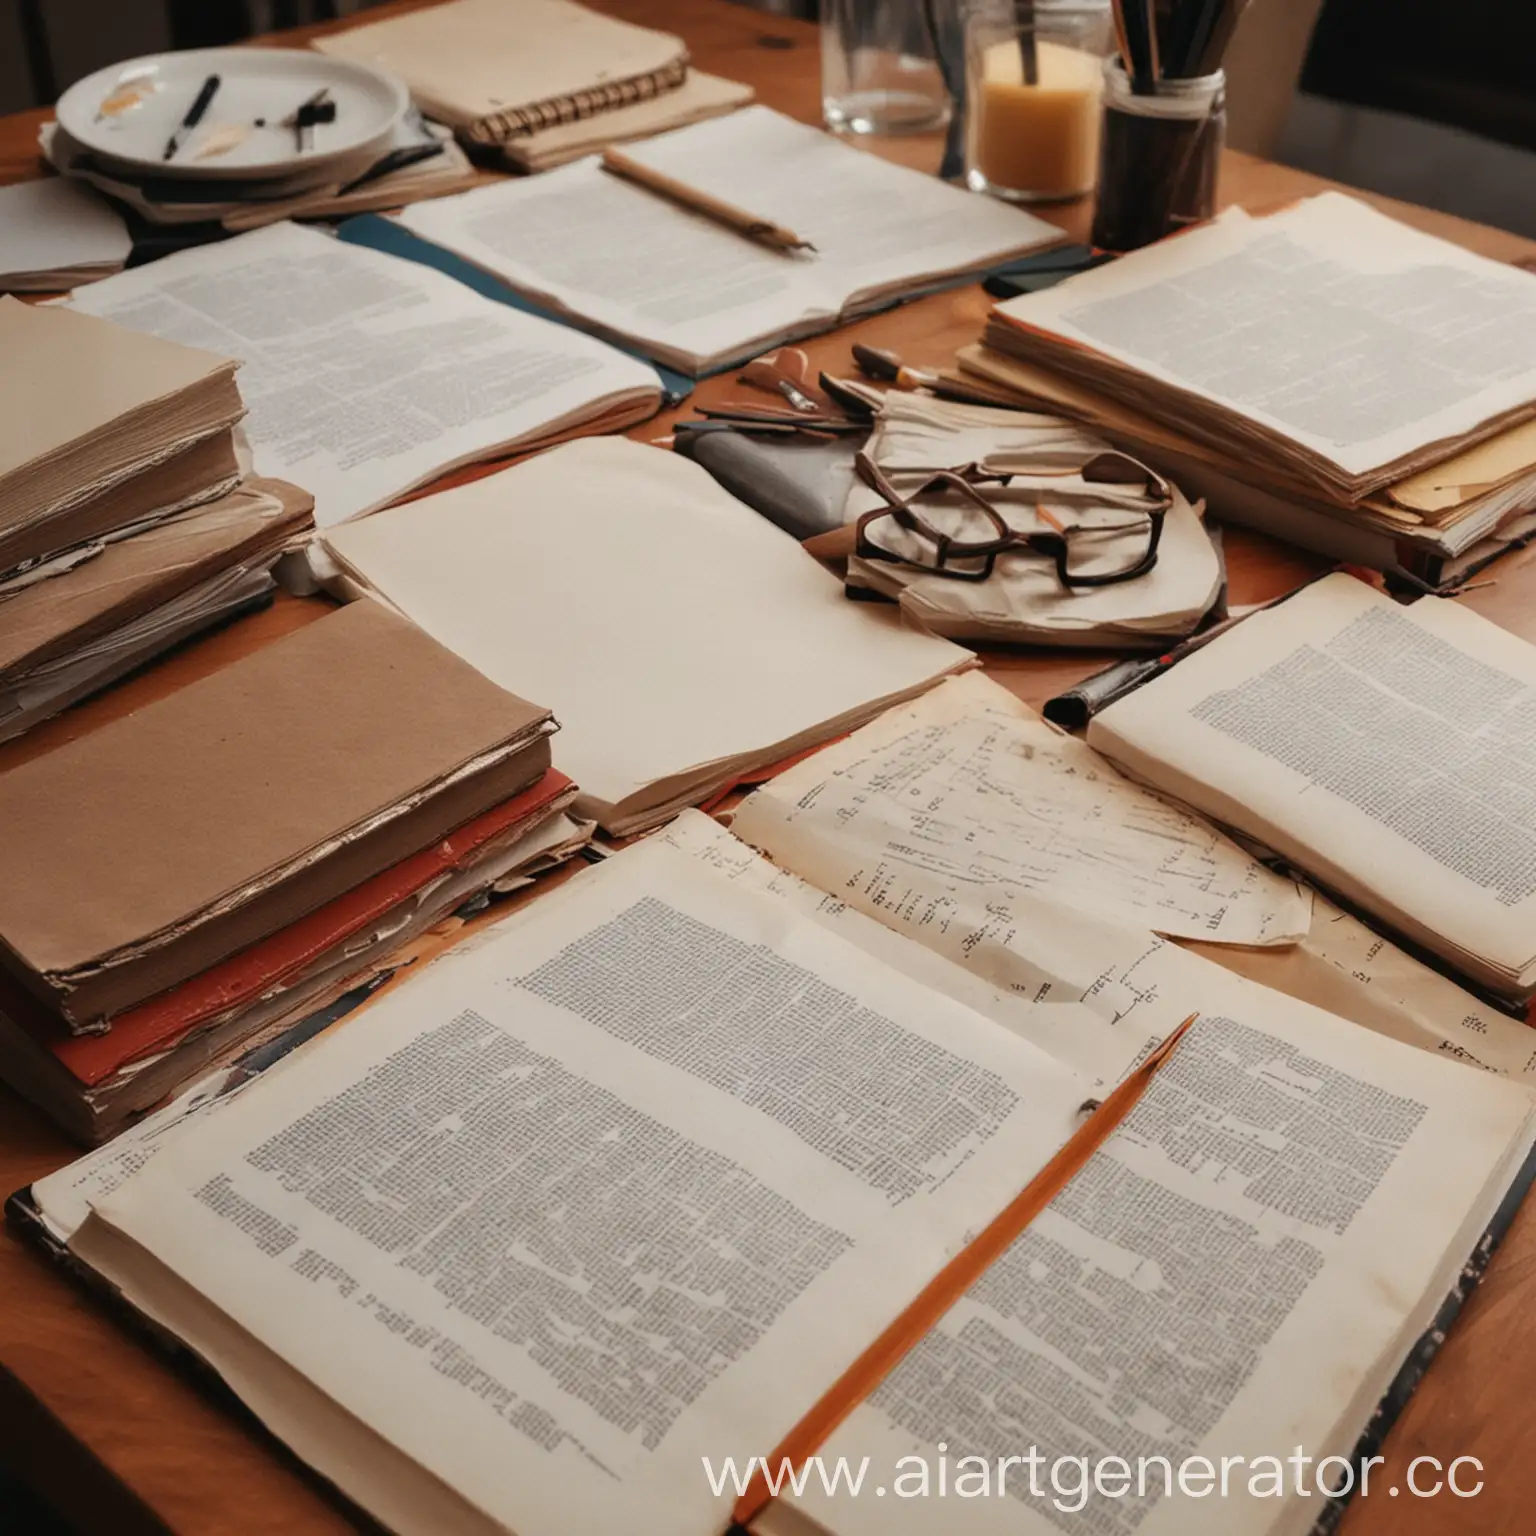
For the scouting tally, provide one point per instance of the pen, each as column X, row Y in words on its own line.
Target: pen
column 193, row 118
column 744, row 223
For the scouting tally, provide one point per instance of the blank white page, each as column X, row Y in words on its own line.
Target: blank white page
column 666, row 624
column 55, row 225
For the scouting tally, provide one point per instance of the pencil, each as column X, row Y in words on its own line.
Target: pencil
column 739, row 219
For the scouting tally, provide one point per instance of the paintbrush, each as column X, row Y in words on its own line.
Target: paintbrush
column 1029, row 54
column 1137, row 19
column 1122, row 42
column 1211, row 42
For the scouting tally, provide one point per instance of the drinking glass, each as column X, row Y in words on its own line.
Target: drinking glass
column 879, row 70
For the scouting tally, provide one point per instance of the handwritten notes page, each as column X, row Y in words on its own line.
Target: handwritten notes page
column 949, row 810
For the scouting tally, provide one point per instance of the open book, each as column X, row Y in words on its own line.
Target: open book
column 632, row 264
column 367, row 376
column 619, row 1190
column 1385, row 750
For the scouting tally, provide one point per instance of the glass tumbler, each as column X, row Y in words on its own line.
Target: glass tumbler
column 1033, row 92
column 879, row 69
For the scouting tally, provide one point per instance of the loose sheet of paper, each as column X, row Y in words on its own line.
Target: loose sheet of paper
column 1352, row 971
column 366, row 375
column 957, row 803
column 634, row 1176
column 1358, row 337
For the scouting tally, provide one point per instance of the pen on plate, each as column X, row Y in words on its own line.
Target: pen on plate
column 194, row 116
column 743, row 222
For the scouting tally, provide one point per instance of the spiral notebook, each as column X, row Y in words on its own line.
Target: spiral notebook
column 498, row 70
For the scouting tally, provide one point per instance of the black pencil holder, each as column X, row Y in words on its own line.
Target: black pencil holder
column 1159, row 157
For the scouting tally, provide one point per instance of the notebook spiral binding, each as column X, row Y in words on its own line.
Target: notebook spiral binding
column 517, row 122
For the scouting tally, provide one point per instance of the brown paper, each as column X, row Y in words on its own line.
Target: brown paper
column 180, row 814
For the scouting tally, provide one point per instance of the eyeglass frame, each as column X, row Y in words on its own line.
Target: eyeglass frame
column 965, row 479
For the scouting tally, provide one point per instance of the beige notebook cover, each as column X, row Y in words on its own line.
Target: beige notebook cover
column 69, row 376
column 498, row 69
column 213, row 794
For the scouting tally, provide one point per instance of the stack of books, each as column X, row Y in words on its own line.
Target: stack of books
column 124, row 523
column 1326, row 375
column 352, row 785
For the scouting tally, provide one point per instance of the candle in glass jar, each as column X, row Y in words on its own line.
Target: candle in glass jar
column 1037, row 141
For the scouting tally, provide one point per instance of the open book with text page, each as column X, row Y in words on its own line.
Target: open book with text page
column 621, row 1187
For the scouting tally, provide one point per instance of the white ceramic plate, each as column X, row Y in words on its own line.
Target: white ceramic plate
column 127, row 112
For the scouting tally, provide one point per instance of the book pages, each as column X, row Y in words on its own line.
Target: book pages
column 1236, row 1274
column 1328, row 325
column 1385, row 749
column 1352, row 971
column 684, row 287
column 962, row 800
column 681, row 638
column 553, row 1249
column 696, row 294
column 366, row 375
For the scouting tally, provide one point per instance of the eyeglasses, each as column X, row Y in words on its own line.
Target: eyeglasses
column 1084, row 554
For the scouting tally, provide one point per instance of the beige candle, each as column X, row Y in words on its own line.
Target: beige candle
column 1041, row 141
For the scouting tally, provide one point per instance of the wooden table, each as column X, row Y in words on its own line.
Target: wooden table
column 123, row 1445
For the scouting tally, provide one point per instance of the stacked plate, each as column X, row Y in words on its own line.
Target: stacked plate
column 245, row 126
column 201, row 133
